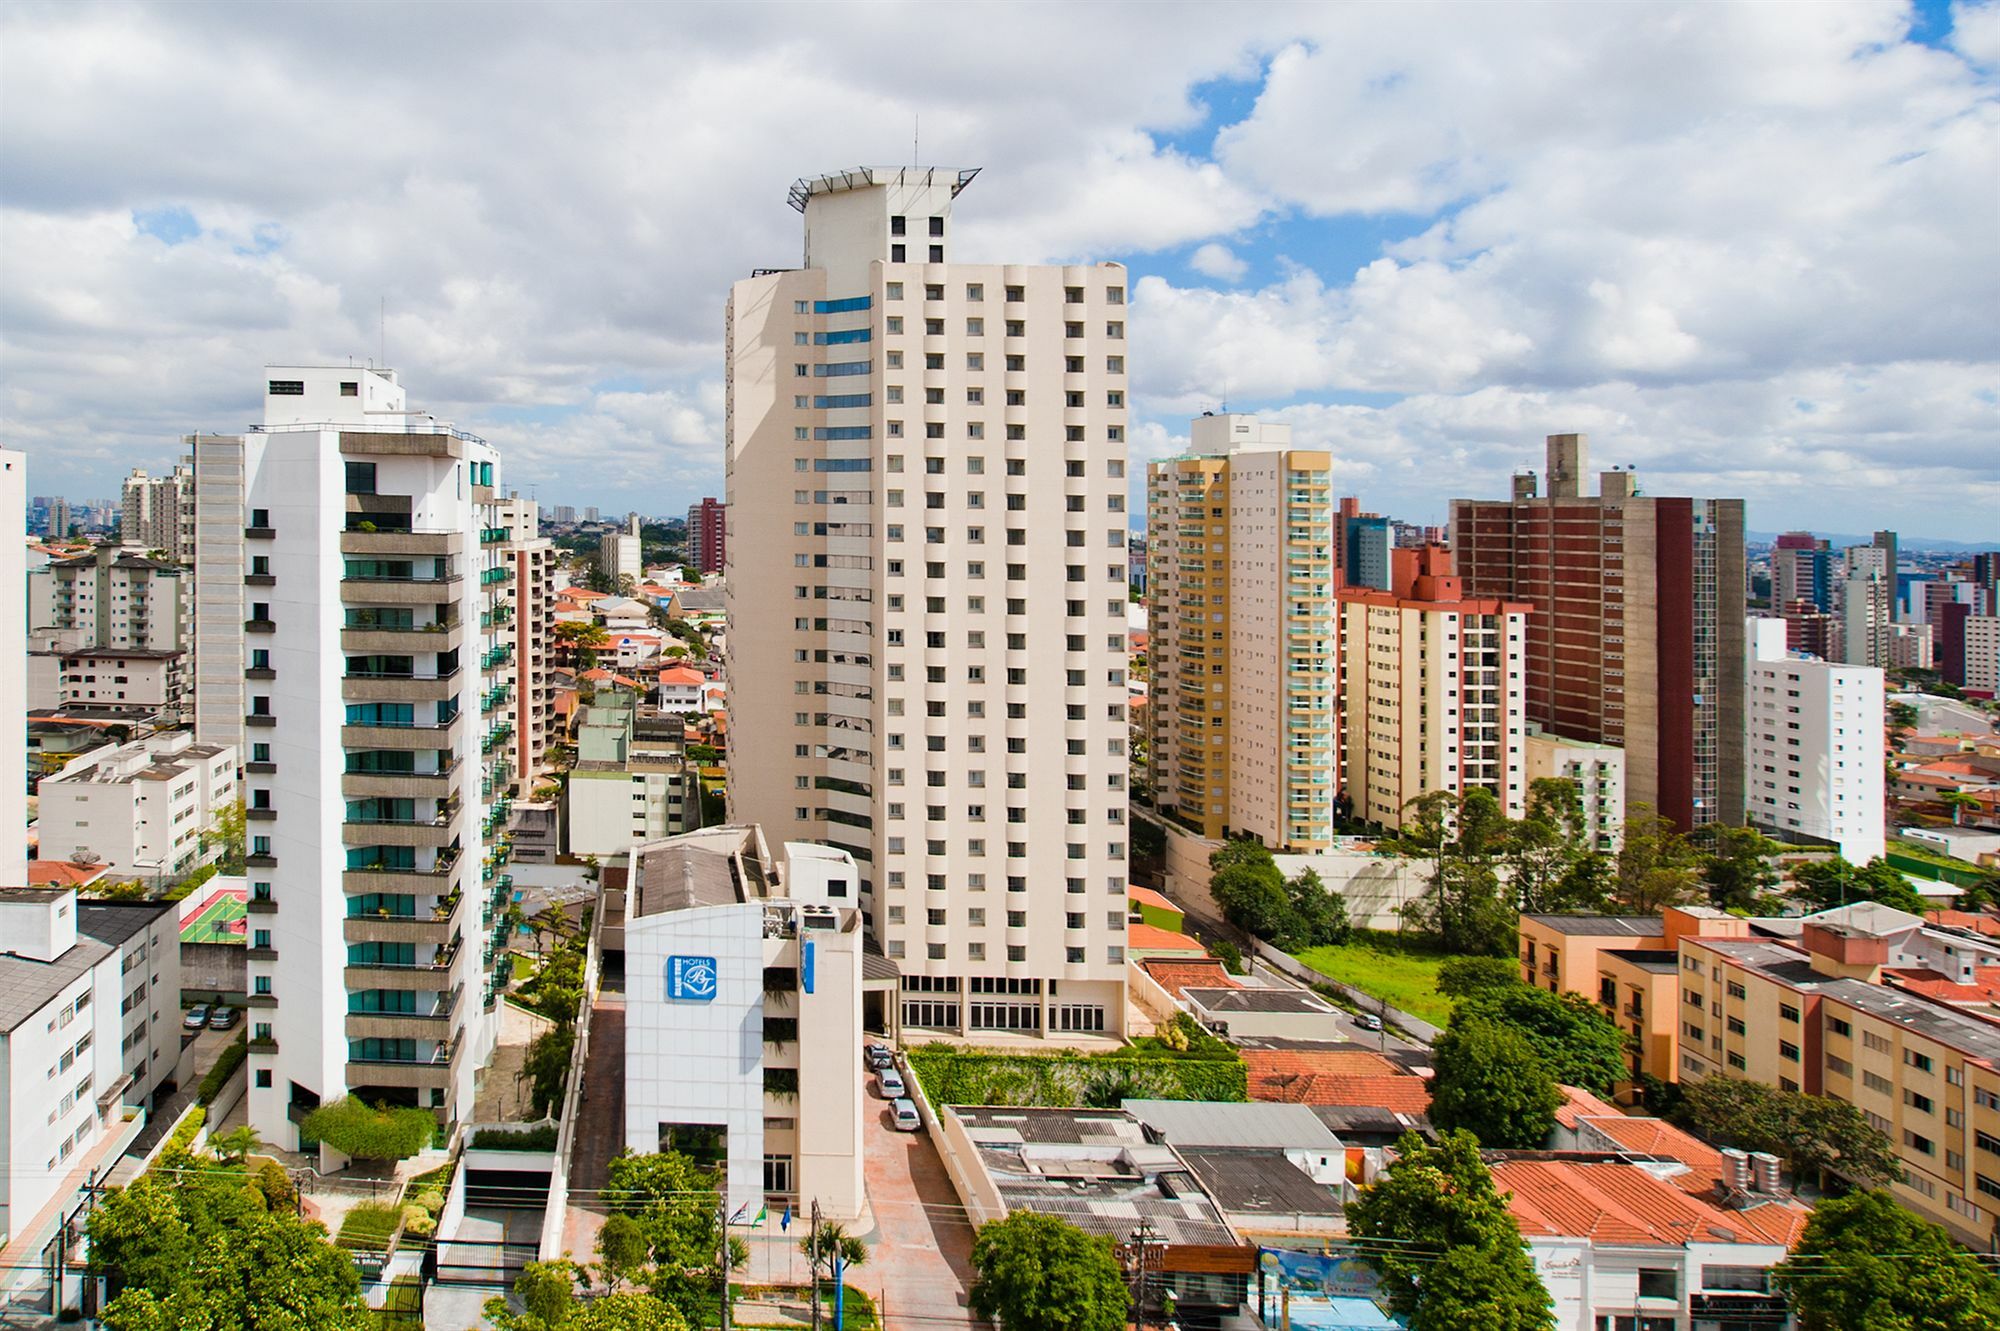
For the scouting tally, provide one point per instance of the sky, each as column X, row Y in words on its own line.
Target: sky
column 1752, row 250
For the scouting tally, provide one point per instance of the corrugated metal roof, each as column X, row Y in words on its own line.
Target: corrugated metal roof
column 1220, row 1123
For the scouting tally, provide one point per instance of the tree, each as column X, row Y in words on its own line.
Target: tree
column 1657, row 866
column 546, row 1065
column 1491, row 1083
column 1318, row 915
column 1958, row 802
column 1865, row 1261
column 1462, row 977
column 205, row 1254
column 1738, row 870
column 1902, row 716
column 231, row 829
column 622, row 1251
column 382, row 1133
column 1577, row 1043
column 674, row 1202
column 1449, row 1252
column 1038, row 1273
column 1825, row 884
column 834, row 1240
column 235, row 1146
column 1813, row 1134
column 1252, row 897
column 1462, row 907
column 1552, row 866
column 578, row 641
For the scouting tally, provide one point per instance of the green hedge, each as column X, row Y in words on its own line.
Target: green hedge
column 227, row 1062
column 183, row 1136
column 1069, row 1079
column 540, row 1138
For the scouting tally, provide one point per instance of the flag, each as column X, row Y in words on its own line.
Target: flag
column 762, row 1212
column 785, row 1221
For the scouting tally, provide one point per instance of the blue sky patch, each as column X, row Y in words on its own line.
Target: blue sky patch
column 169, row 226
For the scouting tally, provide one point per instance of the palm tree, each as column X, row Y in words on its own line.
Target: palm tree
column 834, row 1241
column 1958, row 802
column 235, row 1145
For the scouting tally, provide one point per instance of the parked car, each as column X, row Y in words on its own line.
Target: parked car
column 891, row 1082
column 879, row 1056
column 1368, row 1021
column 222, row 1018
column 197, row 1017
column 903, row 1116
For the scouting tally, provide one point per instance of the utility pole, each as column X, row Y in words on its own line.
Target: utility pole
column 1143, row 1236
column 722, row 1228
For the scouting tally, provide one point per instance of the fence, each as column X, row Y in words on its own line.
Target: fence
column 551, row 1246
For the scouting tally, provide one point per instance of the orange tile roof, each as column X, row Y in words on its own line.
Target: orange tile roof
column 1983, row 987
column 1977, row 921
column 1147, row 896
column 600, row 674
column 1155, row 939
column 681, row 675
column 583, row 594
column 1579, row 1103
column 61, row 873
column 1624, row 1205
column 1177, row 974
column 1334, row 1077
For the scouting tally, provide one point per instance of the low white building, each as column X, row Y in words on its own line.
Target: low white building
column 743, row 1025
column 1599, row 773
column 682, row 689
column 1813, row 747
column 144, row 808
column 631, row 781
column 89, row 1023
column 1622, row 1244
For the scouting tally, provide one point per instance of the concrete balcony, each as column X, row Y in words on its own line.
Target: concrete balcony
column 399, row 785
column 391, row 543
column 438, row 832
column 399, row 591
column 425, row 930
column 405, row 1025
column 382, row 1072
column 423, row 977
column 412, row 641
column 399, row 688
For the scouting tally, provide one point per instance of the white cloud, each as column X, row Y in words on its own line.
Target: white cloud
column 1218, row 261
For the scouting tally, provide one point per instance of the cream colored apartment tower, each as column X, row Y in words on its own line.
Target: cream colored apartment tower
column 926, row 577
column 1243, row 634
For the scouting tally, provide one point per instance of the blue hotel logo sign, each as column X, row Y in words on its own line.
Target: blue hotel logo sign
column 691, row 979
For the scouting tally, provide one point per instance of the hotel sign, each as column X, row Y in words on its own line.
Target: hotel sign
column 691, row 979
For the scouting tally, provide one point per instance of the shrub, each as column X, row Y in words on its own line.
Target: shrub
column 182, row 1140
column 418, row 1221
column 352, row 1128
column 539, row 1138
column 231, row 1058
column 1229, row 954
column 368, row 1227
column 1066, row 1078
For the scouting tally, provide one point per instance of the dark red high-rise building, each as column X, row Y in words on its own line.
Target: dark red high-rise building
column 1637, row 634
column 707, row 536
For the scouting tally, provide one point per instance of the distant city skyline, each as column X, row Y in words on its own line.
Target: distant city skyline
column 1751, row 256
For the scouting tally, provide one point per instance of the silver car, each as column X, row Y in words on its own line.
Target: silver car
column 903, row 1116
column 891, row 1082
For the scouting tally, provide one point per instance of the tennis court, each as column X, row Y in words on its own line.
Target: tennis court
column 216, row 918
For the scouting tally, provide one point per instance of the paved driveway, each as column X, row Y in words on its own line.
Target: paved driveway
column 920, row 1256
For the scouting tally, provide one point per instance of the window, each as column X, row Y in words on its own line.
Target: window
column 1659, row 1283
column 289, row 387
column 360, row 478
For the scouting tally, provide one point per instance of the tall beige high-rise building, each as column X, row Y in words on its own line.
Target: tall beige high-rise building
column 525, row 614
column 1432, row 690
column 1243, row 634
column 926, row 570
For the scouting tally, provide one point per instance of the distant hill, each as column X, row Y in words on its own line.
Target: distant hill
column 1838, row 539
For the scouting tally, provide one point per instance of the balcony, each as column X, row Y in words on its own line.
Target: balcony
column 392, row 543
column 425, row 929
column 260, row 626
column 434, row 1025
column 422, row 976
column 399, row 785
column 261, row 906
column 437, row 830
column 401, row 640
column 432, row 1072
column 260, row 533
column 398, row 591
column 398, row 735
column 430, row 686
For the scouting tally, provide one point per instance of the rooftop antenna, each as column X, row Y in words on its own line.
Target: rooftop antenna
column 916, row 139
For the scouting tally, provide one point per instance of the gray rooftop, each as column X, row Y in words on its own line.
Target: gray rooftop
column 1246, row 1180
column 1094, row 1168
column 115, row 921
column 1185, row 1123
column 1258, row 1000
column 674, row 877
column 1656, row 960
column 27, row 986
column 1635, row 926
column 1934, row 1021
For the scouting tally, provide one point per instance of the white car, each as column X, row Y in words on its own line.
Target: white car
column 891, row 1082
column 903, row 1116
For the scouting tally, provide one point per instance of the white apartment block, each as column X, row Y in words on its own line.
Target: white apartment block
column 1598, row 770
column 1244, row 634
column 14, row 648
column 630, row 782
column 619, row 554
column 105, row 631
column 1431, row 690
column 1982, row 654
column 1815, row 752
column 158, row 513
column 89, row 1023
column 146, row 809
column 743, row 1016
column 372, row 562
column 1864, row 594
column 926, row 577
column 222, row 526
column 524, row 611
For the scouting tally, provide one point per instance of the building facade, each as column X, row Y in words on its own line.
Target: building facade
column 707, row 537
column 1814, row 750
column 146, row 809
column 1243, row 634
column 743, row 1016
column 1597, row 771
column 927, row 589
column 1982, row 654
column 1431, row 689
column 524, row 611
column 222, row 528
column 373, row 558
column 158, row 513
column 96, row 617
column 618, row 555
column 1637, row 633
column 631, row 781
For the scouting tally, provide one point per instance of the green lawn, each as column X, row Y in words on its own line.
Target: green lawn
column 368, row 1227
column 1388, row 968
